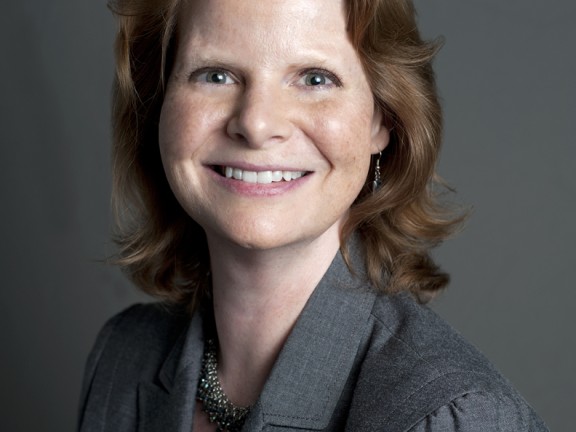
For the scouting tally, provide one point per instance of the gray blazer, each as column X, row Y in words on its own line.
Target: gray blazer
column 355, row 361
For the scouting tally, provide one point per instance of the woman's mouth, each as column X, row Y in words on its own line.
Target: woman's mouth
column 261, row 177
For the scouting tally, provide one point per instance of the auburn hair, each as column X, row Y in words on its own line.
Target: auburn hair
column 165, row 252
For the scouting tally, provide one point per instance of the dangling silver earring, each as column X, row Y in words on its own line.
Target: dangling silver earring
column 377, row 182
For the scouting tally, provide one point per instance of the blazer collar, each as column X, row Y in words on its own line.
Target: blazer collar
column 310, row 374
column 168, row 405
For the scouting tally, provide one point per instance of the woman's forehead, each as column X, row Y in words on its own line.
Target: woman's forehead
column 252, row 16
column 275, row 27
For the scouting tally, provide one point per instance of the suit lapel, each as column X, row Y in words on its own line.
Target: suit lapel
column 168, row 405
column 310, row 374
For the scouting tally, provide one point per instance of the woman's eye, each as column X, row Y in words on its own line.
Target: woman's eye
column 214, row 77
column 315, row 79
column 319, row 79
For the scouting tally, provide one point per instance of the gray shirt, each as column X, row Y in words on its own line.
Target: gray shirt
column 356, row 360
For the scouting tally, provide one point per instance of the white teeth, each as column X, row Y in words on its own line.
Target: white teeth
column 262, row 177
column 291, row 175
column 265, row 177
column 250, row 176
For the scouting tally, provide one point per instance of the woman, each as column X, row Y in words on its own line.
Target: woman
column 277, row 159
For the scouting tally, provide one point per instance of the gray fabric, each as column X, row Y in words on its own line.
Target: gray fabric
column 355, row 361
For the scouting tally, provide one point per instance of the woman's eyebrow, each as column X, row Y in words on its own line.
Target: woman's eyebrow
column 195, row 61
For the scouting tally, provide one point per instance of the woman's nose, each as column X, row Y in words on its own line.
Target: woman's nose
column 261, row 118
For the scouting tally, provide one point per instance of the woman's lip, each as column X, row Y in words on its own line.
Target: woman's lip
column 254, row 167
column 262, row 177
column 247, row 189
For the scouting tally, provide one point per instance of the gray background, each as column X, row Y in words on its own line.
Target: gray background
column 506, row 75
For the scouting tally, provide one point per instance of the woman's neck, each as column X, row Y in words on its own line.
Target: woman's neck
column 258, row 296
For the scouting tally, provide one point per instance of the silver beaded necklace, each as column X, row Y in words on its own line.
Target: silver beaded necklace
column 227, row 416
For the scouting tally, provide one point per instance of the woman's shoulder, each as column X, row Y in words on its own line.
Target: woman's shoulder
column 482, row 411
column 412, row 330
column 130, row 347
column 142, row 326
column 426, row 374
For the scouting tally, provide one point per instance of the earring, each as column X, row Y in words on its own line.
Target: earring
column 377, row 182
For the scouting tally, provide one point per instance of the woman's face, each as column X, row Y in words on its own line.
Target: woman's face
column 268, row 122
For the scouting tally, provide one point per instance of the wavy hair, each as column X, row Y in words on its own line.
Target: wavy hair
column 165, row 252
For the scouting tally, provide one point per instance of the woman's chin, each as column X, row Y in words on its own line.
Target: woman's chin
column 253, row 241
column 257, row 240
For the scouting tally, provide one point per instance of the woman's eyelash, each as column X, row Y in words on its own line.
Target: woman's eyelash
column 315, row 77
column 322, row 73
column 213, row 75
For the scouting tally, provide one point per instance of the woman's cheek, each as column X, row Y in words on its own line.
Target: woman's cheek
column 344, row 139
column 169, row 128
column 178, row 122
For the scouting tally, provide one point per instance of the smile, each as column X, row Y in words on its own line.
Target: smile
column 261, row 177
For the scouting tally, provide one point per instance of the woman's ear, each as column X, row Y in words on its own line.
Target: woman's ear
column 380, row 133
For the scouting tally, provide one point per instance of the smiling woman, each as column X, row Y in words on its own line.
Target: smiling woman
column 276, row 108
column 275, row 161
